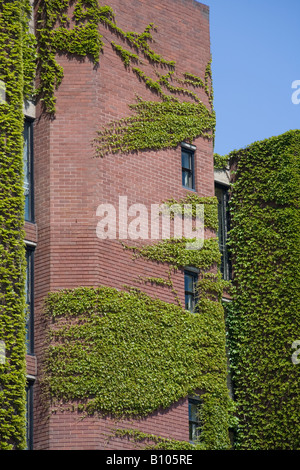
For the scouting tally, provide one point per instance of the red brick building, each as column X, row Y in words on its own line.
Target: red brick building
column 70, row 183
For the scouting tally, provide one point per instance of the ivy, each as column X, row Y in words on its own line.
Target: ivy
column 16, row 72
column 94, row 346
column 95, row 329
column 188, row 205
column 159, row 125
column 126, row 55
column 127, row 354
column 221, row 162
column 154, row 442
column 55, row 35
column 192, row 79
column 155, row 125
column 174, row 252
column 151, row 124
column 263, row 320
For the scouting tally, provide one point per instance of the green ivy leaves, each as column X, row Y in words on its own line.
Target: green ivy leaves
column 153, row 125
column 174, row 252
column 97, row 355
column 156, row 125
column 16, row 71
column 264, row 320
column 127, row 354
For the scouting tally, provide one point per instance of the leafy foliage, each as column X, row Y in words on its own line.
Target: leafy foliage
column 16, row 72
column 95, row 345
column 190, row 202
column 127, row 354
column 221, row 162
column 151, row 124
column 264, row 318
column 156, row 125
column 174, row 252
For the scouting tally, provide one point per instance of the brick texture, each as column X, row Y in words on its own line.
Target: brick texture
column 70, row 183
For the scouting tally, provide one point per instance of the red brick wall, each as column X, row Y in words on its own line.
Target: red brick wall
column 70, row 183
column 69, row 432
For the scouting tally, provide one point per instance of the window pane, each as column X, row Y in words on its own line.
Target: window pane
column 190, row 280
column 29, row 416
column 194, row 433
column 26, row 171
column 189, row 302
column 194, row 422
column 26, row 158
column 187, row 163
column 27, row 296
column 186, row 159
column 187, row 179
column 193, row 410
column 222, row 196
column 29, row 300
column 188, row 283
column 27, row 165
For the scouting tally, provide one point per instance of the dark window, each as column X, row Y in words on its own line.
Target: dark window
column 223, row 215
column 190, row 284
column 29, row 415
column 187, row 163
column 28, row 169
column 194, row 421
column 29, row 299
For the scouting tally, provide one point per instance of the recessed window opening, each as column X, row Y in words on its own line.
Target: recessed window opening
column 188, row 166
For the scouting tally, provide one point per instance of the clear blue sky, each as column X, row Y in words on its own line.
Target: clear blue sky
column 255, row 47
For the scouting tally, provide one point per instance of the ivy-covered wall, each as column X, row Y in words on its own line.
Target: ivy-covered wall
column 264, row 317
column 16, row 74
column 176, row 113
column 127, row 354
column 88, row 319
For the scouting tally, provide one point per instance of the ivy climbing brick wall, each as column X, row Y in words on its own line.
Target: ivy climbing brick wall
column 16, row 74
column 159, row 74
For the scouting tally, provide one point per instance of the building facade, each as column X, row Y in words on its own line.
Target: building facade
column 88, row 181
